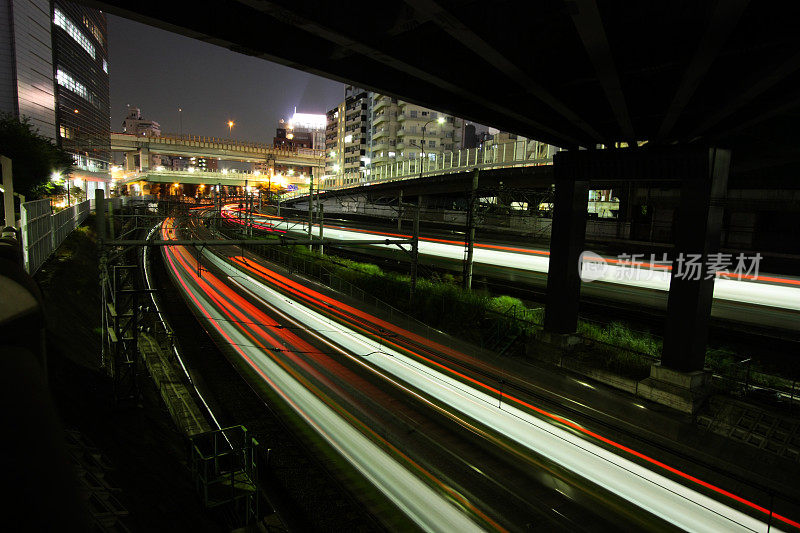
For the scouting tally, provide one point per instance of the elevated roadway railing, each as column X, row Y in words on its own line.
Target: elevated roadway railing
column 196, row 176
column 199, row 146
column 498, row 156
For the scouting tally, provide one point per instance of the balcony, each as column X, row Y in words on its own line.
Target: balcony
column 379, row 119
column 383, row 132
column 381, row 102
column 384, row 144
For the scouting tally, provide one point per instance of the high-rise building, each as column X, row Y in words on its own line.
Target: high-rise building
column 54, row 72
column 334, row 153
column 26, row 63
column 303, row 130
column 438, row 138
column 396, row 131
column 347, row 138
column 385, row 110
column 80, row 63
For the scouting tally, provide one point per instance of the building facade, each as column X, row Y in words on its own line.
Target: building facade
column 136, row 125
column 26, row 63
column 54, row 73
column 347, row 138
column 80, row 63
column 417, row 124
column 334, row 144
column 368, row 130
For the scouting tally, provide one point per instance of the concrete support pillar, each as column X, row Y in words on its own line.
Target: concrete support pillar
column 698, row 228
column 469, row 242
column 566, row 246
column 130, row 161
column 311, row 210
column 144, row 158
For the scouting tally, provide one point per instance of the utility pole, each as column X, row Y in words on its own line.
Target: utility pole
column 321, row 221
column 415, row 251
column 400, row 211
column 470, row 233
column 218, row 205
column 310, row 209
column 244, row 205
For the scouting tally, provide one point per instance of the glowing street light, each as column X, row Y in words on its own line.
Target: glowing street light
column 231, row 124
column 55, row 176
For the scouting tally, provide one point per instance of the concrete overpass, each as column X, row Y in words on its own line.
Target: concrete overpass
column 226, row 149
column 201, row 177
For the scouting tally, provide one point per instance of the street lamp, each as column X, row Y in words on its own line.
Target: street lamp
column 231, row 124
column 439, row 120
column 180, row 122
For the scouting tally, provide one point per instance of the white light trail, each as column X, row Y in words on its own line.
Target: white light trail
column 657, row 494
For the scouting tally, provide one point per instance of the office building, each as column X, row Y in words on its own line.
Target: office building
column 26, row 63
column 80, row 61
column 54, row 72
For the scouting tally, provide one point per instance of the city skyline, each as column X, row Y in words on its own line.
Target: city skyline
column 178, row 65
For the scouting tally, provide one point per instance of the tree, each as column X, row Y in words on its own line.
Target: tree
column 34, row 157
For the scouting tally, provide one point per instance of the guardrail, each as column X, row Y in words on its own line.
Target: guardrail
column 201, row 141
column 505, row 155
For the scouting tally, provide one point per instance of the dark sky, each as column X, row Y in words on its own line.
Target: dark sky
column 159, row 71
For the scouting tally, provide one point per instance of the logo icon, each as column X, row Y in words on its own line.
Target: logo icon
column 591, row 266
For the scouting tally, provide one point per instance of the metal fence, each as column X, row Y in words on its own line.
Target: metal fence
column 43, row 231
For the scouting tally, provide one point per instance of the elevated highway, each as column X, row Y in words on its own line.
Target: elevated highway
column 227, row 149
column 203, row 177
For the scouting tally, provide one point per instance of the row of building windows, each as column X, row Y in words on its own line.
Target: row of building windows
column 68, row 82
column 60, row 20
column 94, row 29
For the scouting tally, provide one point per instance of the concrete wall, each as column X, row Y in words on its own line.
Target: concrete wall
column 26, row 63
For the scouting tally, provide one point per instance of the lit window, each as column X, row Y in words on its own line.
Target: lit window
column 64, row 23
column 391, row 154
column 348, row 138
column 67, row 81
column 92, row 28
column 105, row 66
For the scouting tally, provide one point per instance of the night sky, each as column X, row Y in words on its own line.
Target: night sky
column 159, row 71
